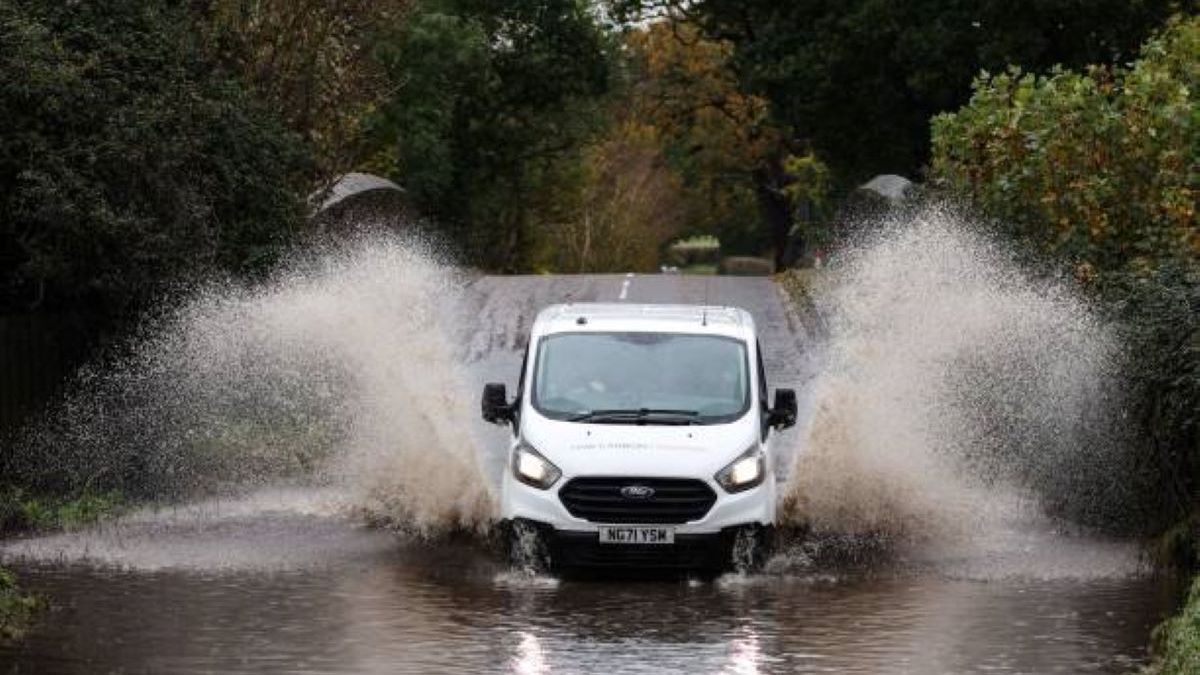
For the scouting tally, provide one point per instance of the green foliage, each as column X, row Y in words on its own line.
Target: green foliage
column 631, row 204
column 22, row 511
column 1099, row 167
column 859, row 79
column 808, row 191
column 810, row 178
column 17, row 609
column 1178, row 548
column 1159, row 315
column 127, row 160
column 442, row 61
column 489, row 98
column 1177, row 640
column 718, row 139
column 310, row 61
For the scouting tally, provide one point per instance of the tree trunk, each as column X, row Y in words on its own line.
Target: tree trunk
column 776, row 210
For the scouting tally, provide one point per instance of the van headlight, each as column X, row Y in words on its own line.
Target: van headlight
column 531, row 468
column 743, row 473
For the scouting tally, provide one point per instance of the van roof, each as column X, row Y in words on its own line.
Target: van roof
column 625, row 316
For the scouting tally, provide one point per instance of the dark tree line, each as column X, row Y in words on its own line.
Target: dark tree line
column 128, row 160
column 859, row 80
column 145, row 142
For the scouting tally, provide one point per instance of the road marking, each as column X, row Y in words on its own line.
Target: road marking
column 625, row 286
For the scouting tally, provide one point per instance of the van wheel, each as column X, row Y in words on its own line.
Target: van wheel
column 527, row 549
column 750, row 549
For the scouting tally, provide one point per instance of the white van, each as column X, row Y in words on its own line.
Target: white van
column 641, row 437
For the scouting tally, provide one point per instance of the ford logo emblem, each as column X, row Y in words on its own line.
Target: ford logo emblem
column 637, row 492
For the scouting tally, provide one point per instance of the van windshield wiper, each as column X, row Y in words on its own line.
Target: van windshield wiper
column 638, row 416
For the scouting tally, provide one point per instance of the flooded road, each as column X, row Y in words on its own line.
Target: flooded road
column 290, row 581
column 408, row 608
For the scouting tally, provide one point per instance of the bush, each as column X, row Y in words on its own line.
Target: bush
column 1159, row 316
column 22, row 511
column 1099, row 167
column 16, row 608
column 127, row 159
column 1177, row 640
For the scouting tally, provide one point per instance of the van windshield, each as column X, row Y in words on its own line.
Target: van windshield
column 641, row 378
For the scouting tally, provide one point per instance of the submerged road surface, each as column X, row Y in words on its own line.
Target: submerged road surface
column 284, row 581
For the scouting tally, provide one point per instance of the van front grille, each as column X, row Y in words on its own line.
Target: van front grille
column 650, row 500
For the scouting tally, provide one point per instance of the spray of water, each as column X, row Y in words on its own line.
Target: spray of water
column 960, row 391
column 340, row 372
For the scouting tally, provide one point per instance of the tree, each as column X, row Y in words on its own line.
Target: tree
column 732, row 154
column 714, row 135
column 127, row 159
column 859, row 79
column 309, row 60
column 488, row 98
column 631, row 205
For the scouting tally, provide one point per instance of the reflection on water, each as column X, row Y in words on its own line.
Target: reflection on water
column 530, row 658
column 410, row 609
column 744, row 654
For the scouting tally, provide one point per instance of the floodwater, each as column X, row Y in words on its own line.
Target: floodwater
column 299, row 592
column 291, row 580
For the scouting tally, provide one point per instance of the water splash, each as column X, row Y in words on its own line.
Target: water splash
column 270, row 529
column 961, row 392
column 339, row 372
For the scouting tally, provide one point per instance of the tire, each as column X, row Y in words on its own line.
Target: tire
column 527, row 548
column 750, row 549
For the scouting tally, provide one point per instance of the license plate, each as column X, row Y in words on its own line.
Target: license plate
column 636, row 534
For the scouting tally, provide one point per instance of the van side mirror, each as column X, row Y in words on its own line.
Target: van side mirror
column 783, row 414
column 495, row 406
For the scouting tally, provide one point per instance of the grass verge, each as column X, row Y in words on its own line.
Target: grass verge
column 802, row 287
column 1177, row 640
column 22, row 511
column 17, row 609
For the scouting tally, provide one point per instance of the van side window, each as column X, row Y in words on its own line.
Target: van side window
column 764, row 404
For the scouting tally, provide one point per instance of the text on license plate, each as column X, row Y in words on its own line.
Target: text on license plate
column 636, row 534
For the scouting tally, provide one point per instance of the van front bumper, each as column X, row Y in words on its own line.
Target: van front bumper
column 582, row 549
